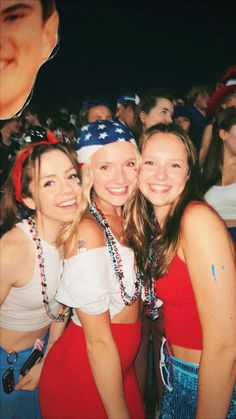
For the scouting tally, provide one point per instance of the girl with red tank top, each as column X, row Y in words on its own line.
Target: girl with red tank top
column 189, row 263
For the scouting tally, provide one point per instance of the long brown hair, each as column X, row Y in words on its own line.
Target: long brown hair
column 155, row 247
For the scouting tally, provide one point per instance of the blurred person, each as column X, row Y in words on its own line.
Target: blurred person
column 96, row 378
column 44, row 179
column 219, row 169
column 28, row 36
column 197, row 102
column 222, row 98
column 189, row 259
column 8, row 147
column 93, row 110
column 156, row 106
column 126, row 107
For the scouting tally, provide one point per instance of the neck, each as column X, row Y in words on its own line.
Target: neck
column 108, row 209
column 48, row 230
column 161, row 215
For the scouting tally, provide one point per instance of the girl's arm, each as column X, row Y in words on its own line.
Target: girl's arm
column 210, row 260
column 105, row 363
column 31, row 379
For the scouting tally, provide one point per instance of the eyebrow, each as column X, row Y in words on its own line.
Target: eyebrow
column 17, row 7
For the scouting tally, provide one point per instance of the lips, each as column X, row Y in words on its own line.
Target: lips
column 66, row 204
column 118, row 191
column 159, row 188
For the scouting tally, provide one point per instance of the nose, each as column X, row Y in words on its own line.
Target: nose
column 168, row 118
column 119, row 176
column 66, row 187
column 160, row 172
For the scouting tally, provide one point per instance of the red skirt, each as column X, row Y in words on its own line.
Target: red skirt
column 67, row 389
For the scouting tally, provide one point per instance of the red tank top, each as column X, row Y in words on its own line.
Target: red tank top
column 181, row 320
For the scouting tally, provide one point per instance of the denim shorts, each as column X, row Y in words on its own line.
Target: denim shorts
column 19, row 404
column 180, row 380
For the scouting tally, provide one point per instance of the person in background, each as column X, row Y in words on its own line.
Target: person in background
column 219, row 169
column 96, row 378
column 223, row 98
column 156, row 106
column 93, row 110
column 44, row 179
column 182, row 117
column 22, row 53
column 125, row 108
column 190, row 258
column 8, row 147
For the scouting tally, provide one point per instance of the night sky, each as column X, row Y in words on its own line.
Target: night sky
column 111, row 47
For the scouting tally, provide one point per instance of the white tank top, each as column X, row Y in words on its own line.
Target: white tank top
column 23, row 308
column 223, row 199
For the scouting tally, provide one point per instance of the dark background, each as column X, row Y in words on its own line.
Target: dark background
column 111, row 47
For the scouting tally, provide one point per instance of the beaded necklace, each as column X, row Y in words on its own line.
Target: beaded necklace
column 64, row 312
column 115, row 257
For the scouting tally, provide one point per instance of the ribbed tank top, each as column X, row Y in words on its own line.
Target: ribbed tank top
column 181, row 320
column 23, row 308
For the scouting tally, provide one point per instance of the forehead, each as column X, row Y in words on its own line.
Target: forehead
column 99, row 108
column 52, row 161
column 114, row 152
column 164, row 143
column 163, row 103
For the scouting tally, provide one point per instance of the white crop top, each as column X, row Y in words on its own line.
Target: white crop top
column 223, row 199
column 89, row 283
column 23, row 308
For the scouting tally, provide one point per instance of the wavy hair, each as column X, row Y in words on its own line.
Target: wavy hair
column 154, row 247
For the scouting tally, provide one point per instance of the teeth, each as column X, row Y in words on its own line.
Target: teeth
column 66, row 203
column 118, row 189
column 159, row 188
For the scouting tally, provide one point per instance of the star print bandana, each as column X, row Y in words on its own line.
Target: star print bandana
column 98, row 134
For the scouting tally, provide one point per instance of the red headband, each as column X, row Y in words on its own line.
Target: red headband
column 17, row 169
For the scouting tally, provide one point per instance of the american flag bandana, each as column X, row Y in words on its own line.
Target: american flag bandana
column 98, row 134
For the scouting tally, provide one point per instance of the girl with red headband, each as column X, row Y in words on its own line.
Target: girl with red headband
column 89, row 372
column 44, row 179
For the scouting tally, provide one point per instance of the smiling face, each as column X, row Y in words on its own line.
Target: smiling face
column 161, row 113
column 114, row 169
column 55, row 190
column 26, row 43
column 164, row 172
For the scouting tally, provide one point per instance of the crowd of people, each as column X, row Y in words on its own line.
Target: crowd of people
column 118, row 232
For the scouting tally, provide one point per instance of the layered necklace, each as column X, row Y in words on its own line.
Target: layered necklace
column 64, row 312
column 115, row 257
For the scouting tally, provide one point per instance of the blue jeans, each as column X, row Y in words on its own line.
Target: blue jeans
column 19, row 404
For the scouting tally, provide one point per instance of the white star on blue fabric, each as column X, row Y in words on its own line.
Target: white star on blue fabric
column 103, row 135
column 85, row 128
column 101, row 126
column 87, row 137
column 120, row 130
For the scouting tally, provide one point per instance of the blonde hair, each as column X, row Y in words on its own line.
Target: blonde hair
column 68, row 239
